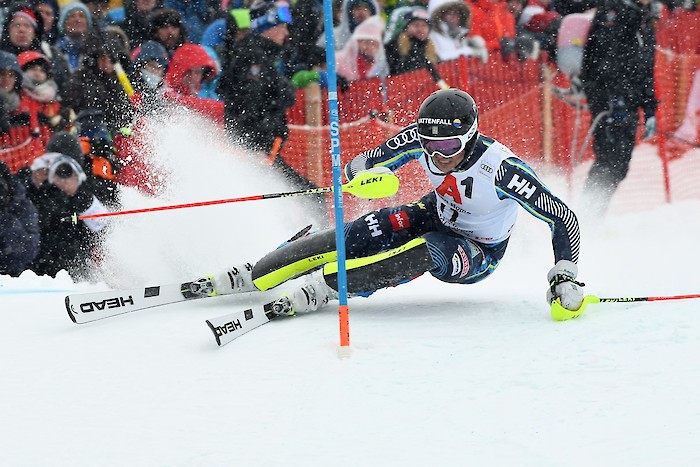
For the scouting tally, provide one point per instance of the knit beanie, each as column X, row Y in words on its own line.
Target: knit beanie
column 69, row 8
column 266, row 14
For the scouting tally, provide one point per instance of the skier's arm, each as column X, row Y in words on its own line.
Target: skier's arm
column 392, row 154
column 519, row 182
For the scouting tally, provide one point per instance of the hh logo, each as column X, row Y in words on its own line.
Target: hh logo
column 373, row 225
column 522, row 186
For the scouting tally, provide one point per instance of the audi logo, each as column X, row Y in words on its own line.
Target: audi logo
column 406, row 136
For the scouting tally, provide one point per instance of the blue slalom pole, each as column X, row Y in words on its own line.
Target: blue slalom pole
column 343, row 311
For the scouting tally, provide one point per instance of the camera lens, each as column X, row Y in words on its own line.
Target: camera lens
column 64, row 170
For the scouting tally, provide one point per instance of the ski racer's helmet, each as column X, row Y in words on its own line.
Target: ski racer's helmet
column 448, row 124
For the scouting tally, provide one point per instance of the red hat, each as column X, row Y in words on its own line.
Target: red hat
column 28, row 14
column 29, row 56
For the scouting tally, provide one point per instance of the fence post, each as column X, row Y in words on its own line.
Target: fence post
column 547, row 120
column 314, row 145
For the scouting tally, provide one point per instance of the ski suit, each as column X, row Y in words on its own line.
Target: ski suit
column 466, row 221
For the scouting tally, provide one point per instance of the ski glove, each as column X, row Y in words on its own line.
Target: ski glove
column 563, row 285
column 649, row 127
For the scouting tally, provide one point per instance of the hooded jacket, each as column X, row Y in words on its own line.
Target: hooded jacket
column 347, row 59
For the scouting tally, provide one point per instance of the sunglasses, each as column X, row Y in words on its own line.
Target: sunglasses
column 446, row 146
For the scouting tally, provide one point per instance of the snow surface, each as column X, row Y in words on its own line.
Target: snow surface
column 440, row 375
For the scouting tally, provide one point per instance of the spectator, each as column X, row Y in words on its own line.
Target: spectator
column 252, row 70
column 237, row 25
column 363, row 55
column 190, row 66
column 10, row 84
column 39, row 90
column 56, row 185
column 618, row 79
column 99, row 161
column 167, row 29
column 146, row 74
column 19, row 226
column 74, row 23
column 412, row 48
column 450, row 22
column 23, row 30
column 98, row 9
column 304, row 33
column 496, row 25
column 196, row 15
column 134, row 19
column 353, row 12
column 534, row 20
column 48, row 10
column 95, row 84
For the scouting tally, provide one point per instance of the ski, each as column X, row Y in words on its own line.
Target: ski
column 233, row 325
column 93, row 306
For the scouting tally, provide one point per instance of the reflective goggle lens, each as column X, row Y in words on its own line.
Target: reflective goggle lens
column 445, row 147
column 284, row 14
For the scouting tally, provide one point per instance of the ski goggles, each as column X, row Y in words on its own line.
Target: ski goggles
column 446, row 146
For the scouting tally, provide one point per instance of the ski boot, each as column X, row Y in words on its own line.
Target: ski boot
column 309, row 297
column 238, row 279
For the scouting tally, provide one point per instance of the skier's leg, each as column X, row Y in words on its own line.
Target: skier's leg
column 368, row 235
column 460, row 260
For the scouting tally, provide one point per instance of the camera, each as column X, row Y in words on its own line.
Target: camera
column 64, row 170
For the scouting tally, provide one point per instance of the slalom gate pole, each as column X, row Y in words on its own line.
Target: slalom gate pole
column 559, row 313
column 343, row 310
column 367, row 186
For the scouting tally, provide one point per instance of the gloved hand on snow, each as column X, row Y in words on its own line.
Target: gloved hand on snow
column 563, row 285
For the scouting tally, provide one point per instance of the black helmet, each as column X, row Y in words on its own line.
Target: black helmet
column 447, row 123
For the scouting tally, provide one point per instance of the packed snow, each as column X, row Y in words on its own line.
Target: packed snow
column 439, row 375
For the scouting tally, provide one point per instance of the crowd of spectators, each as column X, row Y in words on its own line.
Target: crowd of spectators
column 88, row 70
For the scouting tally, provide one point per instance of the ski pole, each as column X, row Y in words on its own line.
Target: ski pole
column 365, row 185
column 559, row 313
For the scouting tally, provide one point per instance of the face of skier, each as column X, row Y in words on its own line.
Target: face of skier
column 447, row 164
column 360, row 13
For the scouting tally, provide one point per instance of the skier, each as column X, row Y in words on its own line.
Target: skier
column 458, row 232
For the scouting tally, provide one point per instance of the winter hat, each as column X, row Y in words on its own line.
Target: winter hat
column 8, row 61
column 27, row 14
column 69, row 8
column 30, row 57
column 150, row 51
column 370, row 29
column 417, row 13
column 266, row 14
column 67, row 144
column 165, row 17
